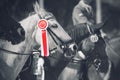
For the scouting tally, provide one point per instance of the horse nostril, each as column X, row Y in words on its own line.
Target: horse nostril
column 73, row 47
column 21, row 31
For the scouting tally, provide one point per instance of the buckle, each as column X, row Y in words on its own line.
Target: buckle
column 94, row 38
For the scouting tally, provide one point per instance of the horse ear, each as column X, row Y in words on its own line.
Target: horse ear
column 36, row 7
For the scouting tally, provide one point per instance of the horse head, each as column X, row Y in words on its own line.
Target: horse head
column 58, row 39
column 61, row 46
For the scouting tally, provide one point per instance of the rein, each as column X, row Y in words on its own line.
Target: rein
column 29, row 54
column 12, row 52
column 16, row 53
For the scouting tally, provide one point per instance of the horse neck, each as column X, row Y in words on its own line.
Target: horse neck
column 29, row 26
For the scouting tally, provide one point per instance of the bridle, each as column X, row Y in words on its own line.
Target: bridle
column 64, row 45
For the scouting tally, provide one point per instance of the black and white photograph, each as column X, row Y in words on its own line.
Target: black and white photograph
column 59, row 39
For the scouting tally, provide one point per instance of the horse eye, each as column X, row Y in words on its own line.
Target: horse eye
column 21, row 31
column 55, row 26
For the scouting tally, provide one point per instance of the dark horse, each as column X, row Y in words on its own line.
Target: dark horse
column 10, row 29
column 96, row 66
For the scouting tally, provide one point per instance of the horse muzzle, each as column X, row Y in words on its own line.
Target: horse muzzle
column 69, row 49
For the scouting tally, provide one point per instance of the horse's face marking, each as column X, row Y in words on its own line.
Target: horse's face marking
column 17, row 36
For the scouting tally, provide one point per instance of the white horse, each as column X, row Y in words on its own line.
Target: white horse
column 11, row 64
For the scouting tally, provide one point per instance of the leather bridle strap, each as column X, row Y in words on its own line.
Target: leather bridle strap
column 49, row 31
column 11, row 52
column 52, row 34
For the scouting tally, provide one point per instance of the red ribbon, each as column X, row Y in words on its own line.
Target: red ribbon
column 43, row 24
